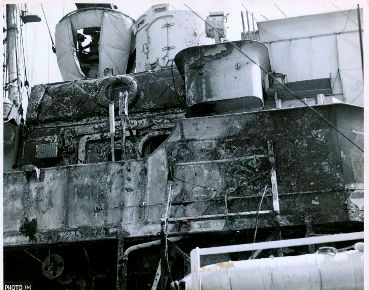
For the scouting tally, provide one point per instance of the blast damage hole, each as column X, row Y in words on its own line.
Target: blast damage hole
column 152, row 144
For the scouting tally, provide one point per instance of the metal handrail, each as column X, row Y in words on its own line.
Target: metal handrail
column 198, row 252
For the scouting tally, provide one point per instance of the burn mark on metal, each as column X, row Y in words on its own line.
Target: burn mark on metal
column 29, row 228
column 220, row 165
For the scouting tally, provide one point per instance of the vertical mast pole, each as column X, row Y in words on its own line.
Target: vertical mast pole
column 361, row 40
column 11, row 38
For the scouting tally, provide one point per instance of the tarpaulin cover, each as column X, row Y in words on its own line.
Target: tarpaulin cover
column 114, row 43
column 316, row 47
column 74, row 100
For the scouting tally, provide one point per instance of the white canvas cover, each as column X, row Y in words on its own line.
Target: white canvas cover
column 114, row 44
column 318, row 46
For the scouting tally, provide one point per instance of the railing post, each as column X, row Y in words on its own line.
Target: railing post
column 195, row 269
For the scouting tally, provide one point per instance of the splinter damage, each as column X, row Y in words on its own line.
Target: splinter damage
column 172, row 158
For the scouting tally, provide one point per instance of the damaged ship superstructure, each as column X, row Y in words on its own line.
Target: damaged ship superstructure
column 164, row 138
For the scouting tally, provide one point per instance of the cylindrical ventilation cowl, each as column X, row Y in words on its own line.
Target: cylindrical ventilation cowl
column 224, row 77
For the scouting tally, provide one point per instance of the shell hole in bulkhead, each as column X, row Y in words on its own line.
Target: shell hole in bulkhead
column 152, row 144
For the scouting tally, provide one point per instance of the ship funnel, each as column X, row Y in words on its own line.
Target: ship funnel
column 92, row 41
column 221, row 78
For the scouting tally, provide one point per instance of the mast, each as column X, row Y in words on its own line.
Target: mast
column 361, row 40
column 11, row 98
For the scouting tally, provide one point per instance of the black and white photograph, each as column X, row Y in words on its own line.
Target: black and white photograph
column 183, row 145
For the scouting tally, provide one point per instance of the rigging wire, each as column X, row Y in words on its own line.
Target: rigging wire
column 48, row 28
column 33, row 256
column 26, row 82
column 5, row 61
column 183, row 253
column 165, row 229
column 347, row 19
column 281, row 84
column 257, row 216
column 347, row 15
column 25, row 45
column 173, row 79
column 338, row 76
column 275, row 4
column 25, row 78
